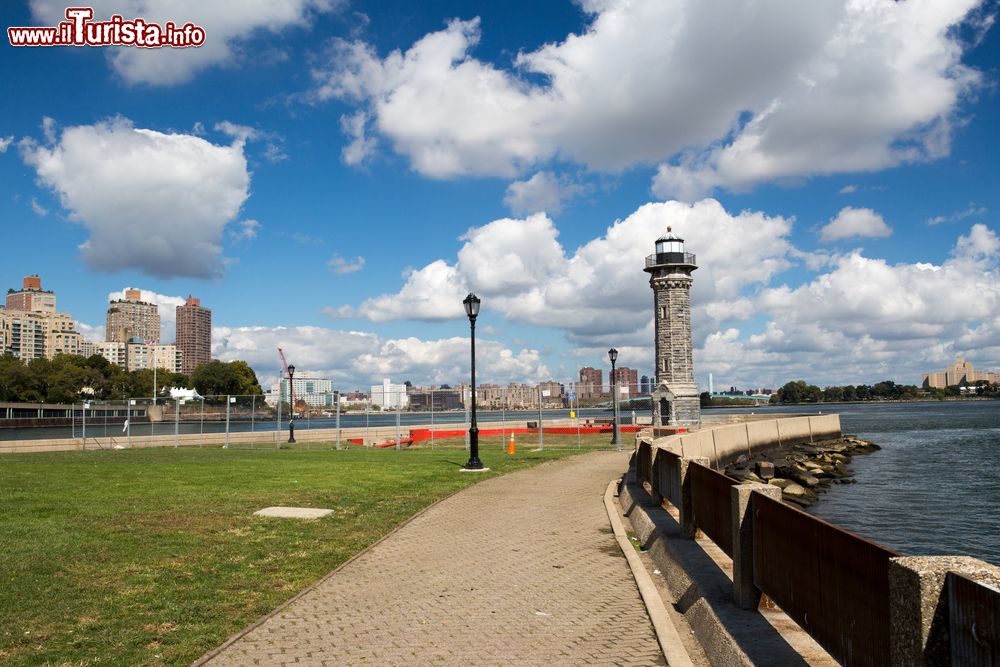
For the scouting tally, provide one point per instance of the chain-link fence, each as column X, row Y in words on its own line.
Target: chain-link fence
column 549, row 414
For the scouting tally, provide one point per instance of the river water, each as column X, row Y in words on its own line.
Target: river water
column 933, row 488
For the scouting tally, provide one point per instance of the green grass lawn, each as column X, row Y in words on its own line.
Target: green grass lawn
column 152, row 556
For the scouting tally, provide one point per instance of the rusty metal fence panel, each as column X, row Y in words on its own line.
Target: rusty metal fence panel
column 668, row 468
column 974, row 623
column 712, row 505
column 834, row 584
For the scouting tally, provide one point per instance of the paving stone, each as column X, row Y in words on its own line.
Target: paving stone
column 516, row 569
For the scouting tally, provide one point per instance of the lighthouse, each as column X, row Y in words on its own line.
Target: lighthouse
column 675, row 397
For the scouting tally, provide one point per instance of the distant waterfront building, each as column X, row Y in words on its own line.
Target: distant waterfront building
column 316, row 392
column 626, row 382
column 194, row 334
column 30, row 327
column 644, row 385
column 421, row 398
column 960, row 373
column 675, row 396
column 591, row 383
column 389, row 396
column 132, row 317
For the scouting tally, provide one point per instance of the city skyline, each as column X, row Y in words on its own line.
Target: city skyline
column 334, row 178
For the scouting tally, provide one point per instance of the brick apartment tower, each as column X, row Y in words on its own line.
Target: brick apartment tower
column 132, row 317
column 675, row 396
column 194, row 334
column 591, row 383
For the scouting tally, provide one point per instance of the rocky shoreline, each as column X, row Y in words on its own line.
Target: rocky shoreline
column 803, row 471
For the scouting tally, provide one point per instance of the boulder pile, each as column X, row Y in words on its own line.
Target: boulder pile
column 802, row 471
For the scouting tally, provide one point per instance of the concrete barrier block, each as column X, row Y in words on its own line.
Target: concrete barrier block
column 730, row 442
column 745, row 594
column 918, row 606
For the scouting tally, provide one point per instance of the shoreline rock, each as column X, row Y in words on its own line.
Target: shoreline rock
column 803, row 471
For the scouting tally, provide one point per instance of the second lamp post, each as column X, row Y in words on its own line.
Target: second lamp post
column 615, row 439
column 471, row 304
column 291, row 405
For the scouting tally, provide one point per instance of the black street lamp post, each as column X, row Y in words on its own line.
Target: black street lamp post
column 471, row 304
column 613, row 356
column 291, row 405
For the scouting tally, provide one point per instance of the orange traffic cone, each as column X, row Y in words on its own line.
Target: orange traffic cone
column 511, row 449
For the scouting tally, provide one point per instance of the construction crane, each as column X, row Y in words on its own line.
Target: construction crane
column 291, row 387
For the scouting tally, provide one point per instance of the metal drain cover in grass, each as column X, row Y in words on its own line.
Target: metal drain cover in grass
column 293, row 512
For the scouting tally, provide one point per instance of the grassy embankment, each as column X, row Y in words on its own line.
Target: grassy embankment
column 152, row 556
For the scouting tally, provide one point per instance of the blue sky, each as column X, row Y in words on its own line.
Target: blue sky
column 333, row 177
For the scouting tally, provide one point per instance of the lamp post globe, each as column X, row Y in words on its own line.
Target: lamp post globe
column 615, row 440
column 471, row 304
column 291, row 405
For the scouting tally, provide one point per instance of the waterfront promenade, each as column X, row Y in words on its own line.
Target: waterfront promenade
column 521, row 569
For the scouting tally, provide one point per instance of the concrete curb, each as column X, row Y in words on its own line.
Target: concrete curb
column 666, row 634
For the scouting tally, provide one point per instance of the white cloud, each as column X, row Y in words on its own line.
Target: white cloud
column 241, row 133
column 848, row 189
column 867, row 320
column 855, row 222
column 342, row 266
column 166, row 305
column 972, row 211
column 227, row 23
column 39, row 210
column 797, row 89
column 362, row 147
column 543, row 192
column 355, row 359
column 5, row 143
column 246, row 230
column 154, row 202
column 521, row 270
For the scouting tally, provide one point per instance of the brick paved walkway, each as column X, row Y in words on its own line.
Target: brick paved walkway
column 516, row 570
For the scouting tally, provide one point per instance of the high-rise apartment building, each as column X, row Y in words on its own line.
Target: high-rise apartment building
column 31, row 328
column 31, row 297
column 194, row 334
column 626, row 382
column 132, row 317
column 591, row 383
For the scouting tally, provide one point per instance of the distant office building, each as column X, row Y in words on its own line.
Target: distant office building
column 389, row 396
column 132, row 317
column 31, row 297
column 30, row 327
column 960, row 373
column 194, row 334
column 591, row 383
column 644, row 385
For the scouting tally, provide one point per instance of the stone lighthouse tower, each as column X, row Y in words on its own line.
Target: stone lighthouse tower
column 675, row 396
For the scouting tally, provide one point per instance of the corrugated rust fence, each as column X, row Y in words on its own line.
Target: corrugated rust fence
column 974, row 624
column 831, row 582
column 712, row 505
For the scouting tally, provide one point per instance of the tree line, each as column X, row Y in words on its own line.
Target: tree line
column 799, row 391
column 68, row 378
